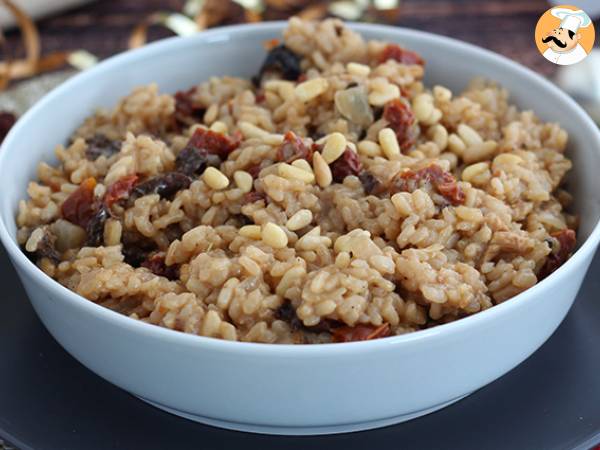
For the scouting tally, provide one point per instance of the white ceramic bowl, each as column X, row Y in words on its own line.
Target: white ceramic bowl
column 280, row 388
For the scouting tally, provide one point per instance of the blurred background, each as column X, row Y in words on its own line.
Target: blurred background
column 74, row 34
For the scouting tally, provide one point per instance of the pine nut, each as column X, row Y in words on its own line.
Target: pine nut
column 434, row 118
column 295, row 173
column 360, row 70
column 469, row 135
column 310, row 89
column 380, row 98
column 422, row 106
column 274, row 236
column 211, row 113
column 451, row 158
column 285, row 89
column 243, row 180
column 322, row 170
column 219, row 127
column 249, row 130
column 439, row 135
column 113, row 230
column 215, row 179
column 302, row 164
column 442, row 94
column 456, row 144
column 299, row 220
column 389, row 143
column 251, row 232
column 507, row 159
column 369, row 148
column 470, row 172
column 334, row 147
column 479, row 152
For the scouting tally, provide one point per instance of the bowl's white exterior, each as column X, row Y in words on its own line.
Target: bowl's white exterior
column 295, row 389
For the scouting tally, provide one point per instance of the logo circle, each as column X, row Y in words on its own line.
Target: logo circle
column 564, row 35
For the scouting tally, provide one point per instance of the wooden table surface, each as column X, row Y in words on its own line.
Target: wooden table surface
column 504, row 26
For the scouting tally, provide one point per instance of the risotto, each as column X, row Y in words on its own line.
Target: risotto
column 332, row 198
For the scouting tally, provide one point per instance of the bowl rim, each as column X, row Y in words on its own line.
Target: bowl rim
column 22, row 263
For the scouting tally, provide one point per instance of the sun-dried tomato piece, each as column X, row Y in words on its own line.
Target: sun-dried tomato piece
column 156, row 264
column 402, row 55
column 214, row 143
column 120, row 190
column 95, row 226
column 566, row 240
column 79, row 208
column 253, row 196
column 402, row 120
column 452, row 192
column 293, row 148
column 7, row 120
column 187, row 111
column 166, row 185
column 360, row 333
column 347, row 164
column 282, row 61
column 444, row 182
column 99, row 145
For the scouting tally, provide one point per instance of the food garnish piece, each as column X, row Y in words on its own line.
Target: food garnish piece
column 79, row 207
column 99, row 145
column 213, row 142
column 187, row 111
column 402, row 120
column 347, row 164
column 156, row 264
column 280, row 60
column 120, row 189
column 293, row 148
column 371, row 185
column 95, row 226
column 402, row 55
column 444, row 182
column 164, row 185
column 566, row 240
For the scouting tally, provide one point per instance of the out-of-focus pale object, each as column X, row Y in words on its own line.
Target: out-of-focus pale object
column 37, row 9
column 591, row 7
column 582, row 82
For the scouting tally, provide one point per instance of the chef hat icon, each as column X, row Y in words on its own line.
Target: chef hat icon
column 570, row 19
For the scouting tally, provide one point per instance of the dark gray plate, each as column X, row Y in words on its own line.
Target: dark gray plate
column 50, row 401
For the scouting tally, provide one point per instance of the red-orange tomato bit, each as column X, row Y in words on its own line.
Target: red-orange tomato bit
column 79, row 208
column 120, row 189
